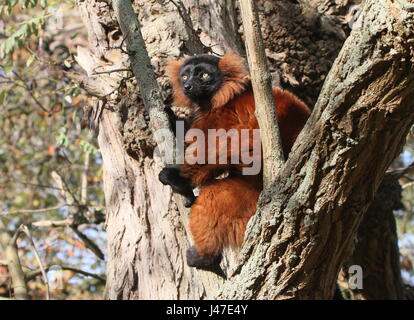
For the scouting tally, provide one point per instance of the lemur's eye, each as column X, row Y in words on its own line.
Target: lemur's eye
column 205, row 75
column 184, row 78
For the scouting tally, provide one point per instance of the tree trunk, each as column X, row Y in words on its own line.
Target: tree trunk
column 376, row 247
column 146, row 235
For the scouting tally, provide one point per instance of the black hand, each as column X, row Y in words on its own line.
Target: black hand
column 179, row 184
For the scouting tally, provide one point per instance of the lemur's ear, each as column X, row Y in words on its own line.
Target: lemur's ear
column 173, row 72
column 232, row 66
column 234, row 82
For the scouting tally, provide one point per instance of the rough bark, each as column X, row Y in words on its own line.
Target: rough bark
column 146, row 238
column 376, row 248
column 306, row 225
column 217, row 24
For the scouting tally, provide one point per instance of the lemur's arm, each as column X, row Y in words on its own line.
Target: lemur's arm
column 171, row 176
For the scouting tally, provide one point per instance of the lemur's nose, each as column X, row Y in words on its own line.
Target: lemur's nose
column 187, row 87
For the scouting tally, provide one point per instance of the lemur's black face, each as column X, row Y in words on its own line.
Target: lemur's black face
column 201, row 77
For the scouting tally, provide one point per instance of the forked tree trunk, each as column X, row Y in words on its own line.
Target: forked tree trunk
column 300, row 237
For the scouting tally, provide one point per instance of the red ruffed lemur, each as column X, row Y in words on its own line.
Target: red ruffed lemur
column 220, row 92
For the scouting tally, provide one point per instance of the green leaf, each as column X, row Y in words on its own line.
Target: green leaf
column 2, row 96
column 73, row 36
column 74, row 115
column 7, row 46
column 26, row 30
column 9, row 10
column 30, row 60
column 8, row 67
column 62, row 139
column 87, row 147
column 35, row 29
column 20, row 43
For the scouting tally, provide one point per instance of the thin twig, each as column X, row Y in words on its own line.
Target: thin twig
column 66, row 193
column 77, row 216
column 84, row 179
column 27, row 232
column 13, row 179
column 34, row 210
column 89, row 243
column 15, row 236
column 53, row 224
column 399, row 172
column 407, row 185
column 30, row 92
column 114, row 70
column 32, row 274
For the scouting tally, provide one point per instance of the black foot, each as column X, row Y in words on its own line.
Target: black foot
column 207, row 262
column 179, row 184
column 194, row 259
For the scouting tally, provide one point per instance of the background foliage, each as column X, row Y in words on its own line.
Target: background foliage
column 40, row 123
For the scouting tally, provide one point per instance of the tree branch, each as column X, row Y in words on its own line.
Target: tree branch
column 84, row 179
column 194, row 42
column 29, row 91
column 89, row 243
column 53, row 224
column 114, row 70
column 35, row 210
column 33, row 274
column 28, row 234
column 399, row 172
column 77, row 214
column 64, row 190
column 13, row 263
column 273, row 157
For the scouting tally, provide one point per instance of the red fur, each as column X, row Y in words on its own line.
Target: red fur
column 220, row 214
column 173, row 72
column 235, row 79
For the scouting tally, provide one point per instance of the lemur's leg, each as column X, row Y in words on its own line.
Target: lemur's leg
column 219, row 217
